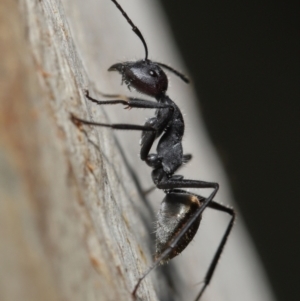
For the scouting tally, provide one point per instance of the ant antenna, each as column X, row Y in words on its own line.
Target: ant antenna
column 180, row 75
column 134, row 28
column 139, row 34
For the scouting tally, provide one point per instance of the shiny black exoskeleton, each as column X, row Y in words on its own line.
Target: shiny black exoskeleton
column 180, row 213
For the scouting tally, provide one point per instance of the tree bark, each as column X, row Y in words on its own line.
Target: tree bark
column 65, row 233
column 73, row 226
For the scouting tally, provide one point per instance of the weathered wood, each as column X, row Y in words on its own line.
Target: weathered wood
column 66, row 232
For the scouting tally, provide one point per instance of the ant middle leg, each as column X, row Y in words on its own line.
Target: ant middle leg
column 116, row 126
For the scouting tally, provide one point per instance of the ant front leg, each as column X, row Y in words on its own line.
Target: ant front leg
column 129, row 102
column 105, row 102
column 87, row 94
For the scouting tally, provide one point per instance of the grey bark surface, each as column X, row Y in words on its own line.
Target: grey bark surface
column 66, row 230
column 73, row 222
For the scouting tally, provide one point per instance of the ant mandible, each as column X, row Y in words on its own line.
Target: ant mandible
column 181, row 211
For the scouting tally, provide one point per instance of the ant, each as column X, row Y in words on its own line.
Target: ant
column 181, row 211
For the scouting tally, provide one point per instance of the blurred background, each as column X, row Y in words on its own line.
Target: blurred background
column 243, row 58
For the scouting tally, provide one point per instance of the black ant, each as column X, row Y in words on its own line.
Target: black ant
column 181, row 211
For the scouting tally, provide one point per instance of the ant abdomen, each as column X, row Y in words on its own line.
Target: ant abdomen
column 175, row 211
column 145, row 76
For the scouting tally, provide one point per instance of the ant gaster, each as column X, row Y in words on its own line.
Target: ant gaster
column 181, row 211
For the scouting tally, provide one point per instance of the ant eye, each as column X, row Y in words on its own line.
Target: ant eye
column 153, row 73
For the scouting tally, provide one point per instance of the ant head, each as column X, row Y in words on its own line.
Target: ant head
column 145, row 76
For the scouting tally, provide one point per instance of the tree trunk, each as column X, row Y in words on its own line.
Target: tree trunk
column 74, row 222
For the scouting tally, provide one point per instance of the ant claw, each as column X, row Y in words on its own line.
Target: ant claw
column 75, row 120
column 86, row 92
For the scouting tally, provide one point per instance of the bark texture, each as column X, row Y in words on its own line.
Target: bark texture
column 66, row 232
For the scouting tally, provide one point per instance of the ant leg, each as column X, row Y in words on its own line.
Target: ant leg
column 129, row 102
column 87, row 94
column 105, row 102
column 117, row 126
column 214, row 262
column 174, row 182
column 173, row 243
